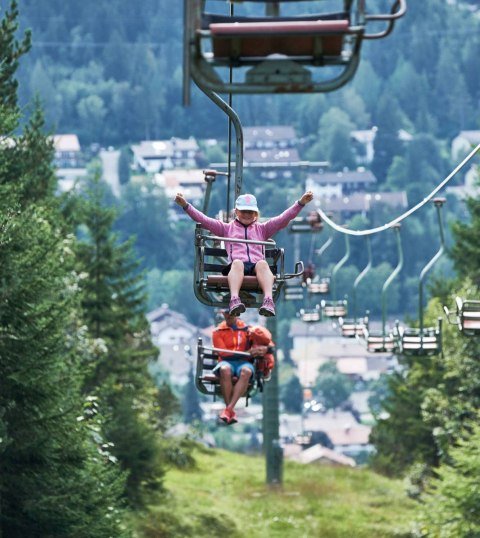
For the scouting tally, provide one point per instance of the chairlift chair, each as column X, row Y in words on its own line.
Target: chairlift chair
column 381, row 341
column 208, row 383
column 336, row 308
column 352, row 327
column 276, row 53
column 311, row 315
column 425, row 340
column 293, row 290
column 211, row 287
column 320, row 286
column 467, row 316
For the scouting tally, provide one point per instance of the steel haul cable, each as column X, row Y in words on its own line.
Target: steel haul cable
column 378, row 229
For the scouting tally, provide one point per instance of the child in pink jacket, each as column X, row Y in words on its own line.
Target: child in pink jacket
column 246, row 258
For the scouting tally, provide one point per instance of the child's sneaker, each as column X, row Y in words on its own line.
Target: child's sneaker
column 268, row 307
column 228, row 416
column 236, row 307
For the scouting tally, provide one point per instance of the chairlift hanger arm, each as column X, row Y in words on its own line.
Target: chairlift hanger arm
column 392, row 276
column 398, row 10
column 360, row 277
column 439, row 202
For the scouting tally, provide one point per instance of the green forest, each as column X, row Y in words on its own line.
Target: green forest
column 112, row 73
column 83, row 450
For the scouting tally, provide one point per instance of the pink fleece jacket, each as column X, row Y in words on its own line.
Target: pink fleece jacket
column 257, row 231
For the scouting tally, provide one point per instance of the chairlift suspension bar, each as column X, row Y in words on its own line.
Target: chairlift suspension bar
column 396, row 229
column 230, row 104
column 360, row 278
column 239, row 136
column 438, row 205
column 339, row 265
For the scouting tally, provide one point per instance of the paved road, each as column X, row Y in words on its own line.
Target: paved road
column 110, row 169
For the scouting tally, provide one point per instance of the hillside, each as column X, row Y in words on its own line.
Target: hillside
column 216, row 498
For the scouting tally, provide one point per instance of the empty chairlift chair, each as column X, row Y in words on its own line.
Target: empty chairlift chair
column 311, row 315
column 277, row 53
column 336, row 308
column 381, row 341
column 293, row 290
column 425, row 340
column 467, row 316
column 352, row 327
column 321, row 285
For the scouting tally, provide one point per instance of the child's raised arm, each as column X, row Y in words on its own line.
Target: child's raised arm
column 213, row 225
column 180, row 200
column 306, row 197
column 273, row 225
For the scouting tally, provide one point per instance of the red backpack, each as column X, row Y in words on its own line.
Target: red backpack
column 260, row 336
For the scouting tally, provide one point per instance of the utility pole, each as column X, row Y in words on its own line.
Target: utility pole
column 271, row 423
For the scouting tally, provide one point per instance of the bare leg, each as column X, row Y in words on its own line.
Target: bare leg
column 235, row 278
column 240, row 387
column 265, row 277
column 226, row 385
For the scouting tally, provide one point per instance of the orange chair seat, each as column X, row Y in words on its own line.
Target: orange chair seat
column 291, row 38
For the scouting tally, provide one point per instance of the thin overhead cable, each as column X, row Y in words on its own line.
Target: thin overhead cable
column 371, row 231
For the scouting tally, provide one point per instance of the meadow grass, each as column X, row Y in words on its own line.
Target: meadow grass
column 226, row 495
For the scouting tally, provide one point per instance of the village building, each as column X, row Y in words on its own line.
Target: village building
column 152, row 156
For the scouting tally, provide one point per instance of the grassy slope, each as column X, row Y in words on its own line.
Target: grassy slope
column 226, row 495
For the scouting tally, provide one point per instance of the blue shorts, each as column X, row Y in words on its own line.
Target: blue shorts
column 236, row 365
column 248, row 269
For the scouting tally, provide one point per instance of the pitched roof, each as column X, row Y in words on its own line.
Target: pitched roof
column 473, row 137
column 275, row 156
column 319, row 453
column 271, row 132
column 153, row 149
column 362, row 201
column 66, row 142
column 156, row 149
column 330, row 420
column 355, row 434
column 347, row 176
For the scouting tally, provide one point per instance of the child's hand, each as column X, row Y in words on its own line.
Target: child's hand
column 180, row 200
column 307, row 197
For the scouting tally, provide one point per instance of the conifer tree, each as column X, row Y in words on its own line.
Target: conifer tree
column 55, row 476
column 114, row 309
column 450, row 504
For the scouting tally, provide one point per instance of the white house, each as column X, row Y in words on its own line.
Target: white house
column 317, row 343
column 176, row 340
column 190, row 182
column 68, row 160
column 337, row 184
column 152, row 156
column 363, row 143
column 463, row 143
column 268, row 137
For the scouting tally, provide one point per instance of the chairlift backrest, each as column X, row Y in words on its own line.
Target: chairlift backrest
column 275, row 48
